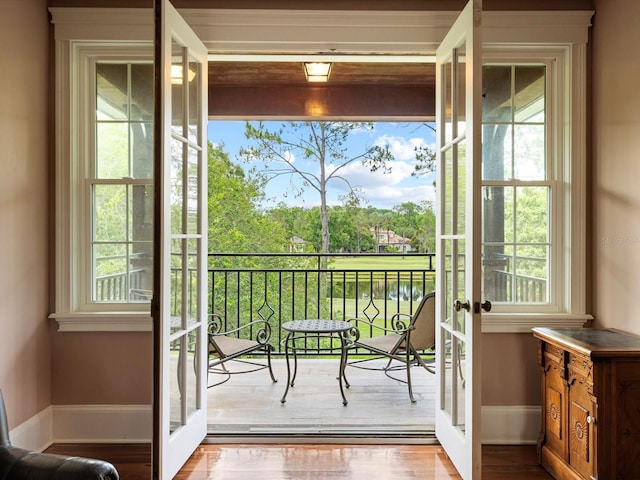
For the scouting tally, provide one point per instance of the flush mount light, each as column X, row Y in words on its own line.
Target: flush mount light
column 317, row 71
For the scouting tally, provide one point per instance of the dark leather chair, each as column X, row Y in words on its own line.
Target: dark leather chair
column 22, row 464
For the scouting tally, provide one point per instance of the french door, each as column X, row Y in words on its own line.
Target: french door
column 458, row 116
column 180, row 289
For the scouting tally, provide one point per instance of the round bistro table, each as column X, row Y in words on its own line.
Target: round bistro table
column 300, row 329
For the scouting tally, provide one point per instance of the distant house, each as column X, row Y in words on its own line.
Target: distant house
column 296, row 245
column 388, row 240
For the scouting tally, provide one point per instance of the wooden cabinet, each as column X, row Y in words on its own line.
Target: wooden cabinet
column 590, row 403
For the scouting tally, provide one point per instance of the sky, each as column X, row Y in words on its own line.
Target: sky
column 378, row 189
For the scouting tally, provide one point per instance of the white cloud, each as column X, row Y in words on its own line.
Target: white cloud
column 290, row 156
column 401, row 148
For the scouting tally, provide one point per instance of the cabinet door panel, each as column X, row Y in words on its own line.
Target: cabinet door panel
column 581, row 413
column 554, row 409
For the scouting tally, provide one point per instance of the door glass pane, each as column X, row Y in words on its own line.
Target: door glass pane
column 178, row 277
column 447, row 193
column 458, row 371
column 459, row 324
column 193, row 173
column 448, row 284
column 461, row 183
column 177, row 89
column 175, row 387
column 448, row 375
column 192, row 300
column 177, row 186
column 191, row 376
column 460, row 104
column 194, row 101
column 447, row 77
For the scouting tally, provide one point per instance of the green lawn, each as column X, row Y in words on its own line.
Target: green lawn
column 379, row 263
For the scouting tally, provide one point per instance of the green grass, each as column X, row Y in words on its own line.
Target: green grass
column 379, row 263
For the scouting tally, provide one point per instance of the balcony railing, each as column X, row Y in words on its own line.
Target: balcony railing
column 282, row 287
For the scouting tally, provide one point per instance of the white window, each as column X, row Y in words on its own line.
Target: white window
column 119, row 184
column 518, row 186
column 104, row 188
column 532, row 182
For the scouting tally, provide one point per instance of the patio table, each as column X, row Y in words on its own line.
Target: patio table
column 301, row 329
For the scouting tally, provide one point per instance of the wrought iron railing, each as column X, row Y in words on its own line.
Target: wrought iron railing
column 282, row 287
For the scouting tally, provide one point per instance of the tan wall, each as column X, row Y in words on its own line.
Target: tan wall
column 24, row 237
column 102, row 368
column 510, row 372
column 616, row 164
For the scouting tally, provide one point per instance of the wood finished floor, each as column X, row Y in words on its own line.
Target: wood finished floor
column 249, row 404
column 313, row 461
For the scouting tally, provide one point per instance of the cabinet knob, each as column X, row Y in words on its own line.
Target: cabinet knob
column 590, row 419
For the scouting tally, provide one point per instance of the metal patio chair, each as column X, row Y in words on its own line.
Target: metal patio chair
column 404, row 343
column 225, row 346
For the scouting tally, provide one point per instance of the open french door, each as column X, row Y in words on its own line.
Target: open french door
column 458, row 117
column 179, row 305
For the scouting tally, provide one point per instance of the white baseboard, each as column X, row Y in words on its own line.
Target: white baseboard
column 509, row 425
column 102, row 423
column 36, row 433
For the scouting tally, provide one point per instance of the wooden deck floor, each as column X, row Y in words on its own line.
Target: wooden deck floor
column 249, row 404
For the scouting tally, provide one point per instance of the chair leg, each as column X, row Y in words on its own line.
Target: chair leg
column 269, row 348
column 408, row 365
column 420, row 361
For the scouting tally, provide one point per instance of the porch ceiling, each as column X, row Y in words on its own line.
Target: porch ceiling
column 354, row 89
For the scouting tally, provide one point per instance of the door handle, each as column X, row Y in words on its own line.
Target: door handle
column 458, row 305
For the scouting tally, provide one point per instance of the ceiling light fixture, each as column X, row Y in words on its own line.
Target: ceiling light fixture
column 317, row 71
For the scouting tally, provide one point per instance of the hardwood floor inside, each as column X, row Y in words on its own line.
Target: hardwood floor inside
column 313, row 436
column 313, row 461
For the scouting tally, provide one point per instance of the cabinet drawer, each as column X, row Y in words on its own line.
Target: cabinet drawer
column 580, row 365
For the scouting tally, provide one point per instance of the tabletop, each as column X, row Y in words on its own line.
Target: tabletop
column 316, row 326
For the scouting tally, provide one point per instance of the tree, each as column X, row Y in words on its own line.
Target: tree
column 236, row 225
column 324, row 143
column 425, row 157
